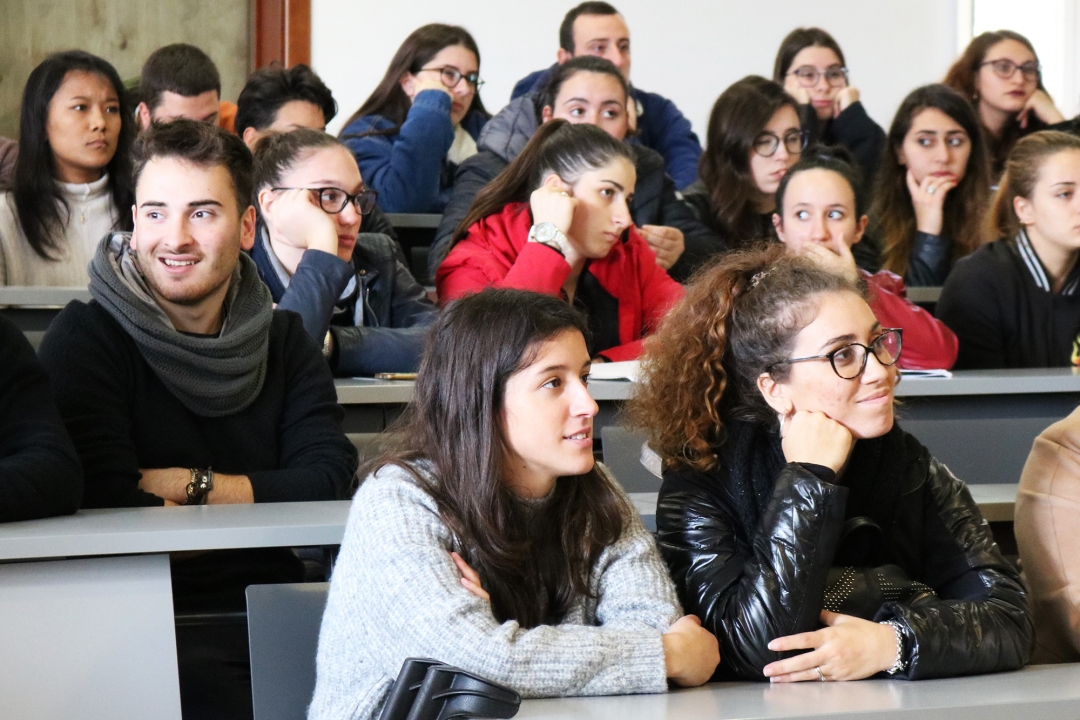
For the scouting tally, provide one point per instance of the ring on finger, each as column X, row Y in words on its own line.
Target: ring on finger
column 932, row 189
column 820, row 675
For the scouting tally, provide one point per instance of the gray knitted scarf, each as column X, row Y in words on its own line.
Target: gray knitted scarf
column 211, row 376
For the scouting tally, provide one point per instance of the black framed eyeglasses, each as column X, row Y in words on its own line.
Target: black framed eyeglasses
column 794, row 141
column 333, row 200
column 1005, row 68
column 451, row 76
column 808, row 75
column 849, row 361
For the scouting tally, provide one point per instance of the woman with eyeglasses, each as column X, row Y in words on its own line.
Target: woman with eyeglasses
column 356, row 298
column 422, row 120
column 753, row 138
column 1015, row 302
column 810, row 65
column 557, row 221
column 999, row 73
column 932, row 187
column 813, row 536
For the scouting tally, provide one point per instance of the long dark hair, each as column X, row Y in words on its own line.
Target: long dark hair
column 533, row 567
column 389, row 99
column 565, row 149
column 798, row 40
column 1021, row 174
column 961, row 77
column 40, row 207
column 738, row 117
column 892, row 212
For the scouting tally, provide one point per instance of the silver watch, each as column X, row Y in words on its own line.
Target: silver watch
column 546, row 233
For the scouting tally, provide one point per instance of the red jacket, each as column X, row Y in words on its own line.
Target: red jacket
column 497, row 253
column 928, row 343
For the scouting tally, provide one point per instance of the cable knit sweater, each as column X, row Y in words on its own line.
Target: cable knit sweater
column 396, row 594
column 91, row 217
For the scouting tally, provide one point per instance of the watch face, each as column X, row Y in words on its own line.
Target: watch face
column 545, row 232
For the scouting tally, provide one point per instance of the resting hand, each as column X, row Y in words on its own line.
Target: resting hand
column 691, row 652
column 928, row 199
column 428, row 81
column 553, row 204
column 796, row 90
column 1043, row 107
column 299, row 222
column 470, row 579
column 844, row 99
column 835, row 257
column 814, row 437
column 667, row 242
column 170, row 484
column 850, row 648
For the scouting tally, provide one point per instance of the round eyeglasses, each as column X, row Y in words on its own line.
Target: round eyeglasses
column 808, row 75
column 333, row 200
column 1005, row 68
column 849, row 361
column 451, row 76
column 794, row 141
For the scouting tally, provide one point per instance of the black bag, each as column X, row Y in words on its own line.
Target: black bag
column 430, row 690
column 863, row 582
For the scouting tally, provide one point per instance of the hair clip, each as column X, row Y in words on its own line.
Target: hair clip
column 758, row 277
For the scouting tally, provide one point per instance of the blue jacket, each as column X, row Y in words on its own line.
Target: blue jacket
column 409, row 168
column 380, row 327
column 660, row 126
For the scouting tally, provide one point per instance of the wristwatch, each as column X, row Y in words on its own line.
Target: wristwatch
column 546, row 233
column 202, row 482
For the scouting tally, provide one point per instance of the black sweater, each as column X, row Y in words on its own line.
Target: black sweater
column 998, row 302
column 39, row 470
column 122, row 417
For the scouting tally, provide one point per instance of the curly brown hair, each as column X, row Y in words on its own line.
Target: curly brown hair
column 738, row 319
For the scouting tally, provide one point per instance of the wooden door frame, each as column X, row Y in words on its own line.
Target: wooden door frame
column 282, row 32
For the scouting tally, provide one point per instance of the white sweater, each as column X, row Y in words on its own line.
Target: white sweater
column 91, row 217
column 395, row 594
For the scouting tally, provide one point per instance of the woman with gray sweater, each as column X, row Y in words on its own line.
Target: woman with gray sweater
column 488, row 538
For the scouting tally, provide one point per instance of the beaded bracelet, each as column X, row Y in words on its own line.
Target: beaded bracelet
column 899, row 664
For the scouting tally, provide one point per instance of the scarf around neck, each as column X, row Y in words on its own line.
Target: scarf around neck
column 211, row 376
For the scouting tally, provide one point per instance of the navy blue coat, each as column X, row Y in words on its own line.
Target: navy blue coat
column 381, row 328
column 661, row 126
column 408, row 168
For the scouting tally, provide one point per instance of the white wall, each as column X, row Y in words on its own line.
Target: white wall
column 687, row 50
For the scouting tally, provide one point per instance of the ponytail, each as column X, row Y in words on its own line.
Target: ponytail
column 558, row 147
column 1021, row 173
column 738, row 319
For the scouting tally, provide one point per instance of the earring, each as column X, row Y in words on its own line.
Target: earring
column 782, row 419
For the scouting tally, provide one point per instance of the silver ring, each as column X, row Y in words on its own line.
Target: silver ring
column 820, row 675
column 564, row 193
column 932, row 189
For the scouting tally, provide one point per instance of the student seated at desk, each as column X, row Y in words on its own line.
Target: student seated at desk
column 1015, row 302
column 811, row 67
column 40, row 474
column 356, row 298
column 931, row 189
column 72, row 175
column 753, row 138
column 422, row 121
column 583, row 90
column 181, row 81
column 276, row 100
column 557, row 221
column 488, row 538
column 820, row 213
column 181, row 386
column 795, row 514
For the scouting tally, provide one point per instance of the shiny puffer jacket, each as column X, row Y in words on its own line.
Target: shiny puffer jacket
column 749, row 587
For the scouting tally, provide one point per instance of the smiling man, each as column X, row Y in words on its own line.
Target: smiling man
column 181, row 386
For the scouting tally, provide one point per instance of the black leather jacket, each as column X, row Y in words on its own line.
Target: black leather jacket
column 751, row 587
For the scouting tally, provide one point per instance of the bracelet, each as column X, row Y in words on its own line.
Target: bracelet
column 899, row 664
column 202, row 482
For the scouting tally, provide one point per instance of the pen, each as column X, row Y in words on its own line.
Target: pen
column 395, row 376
